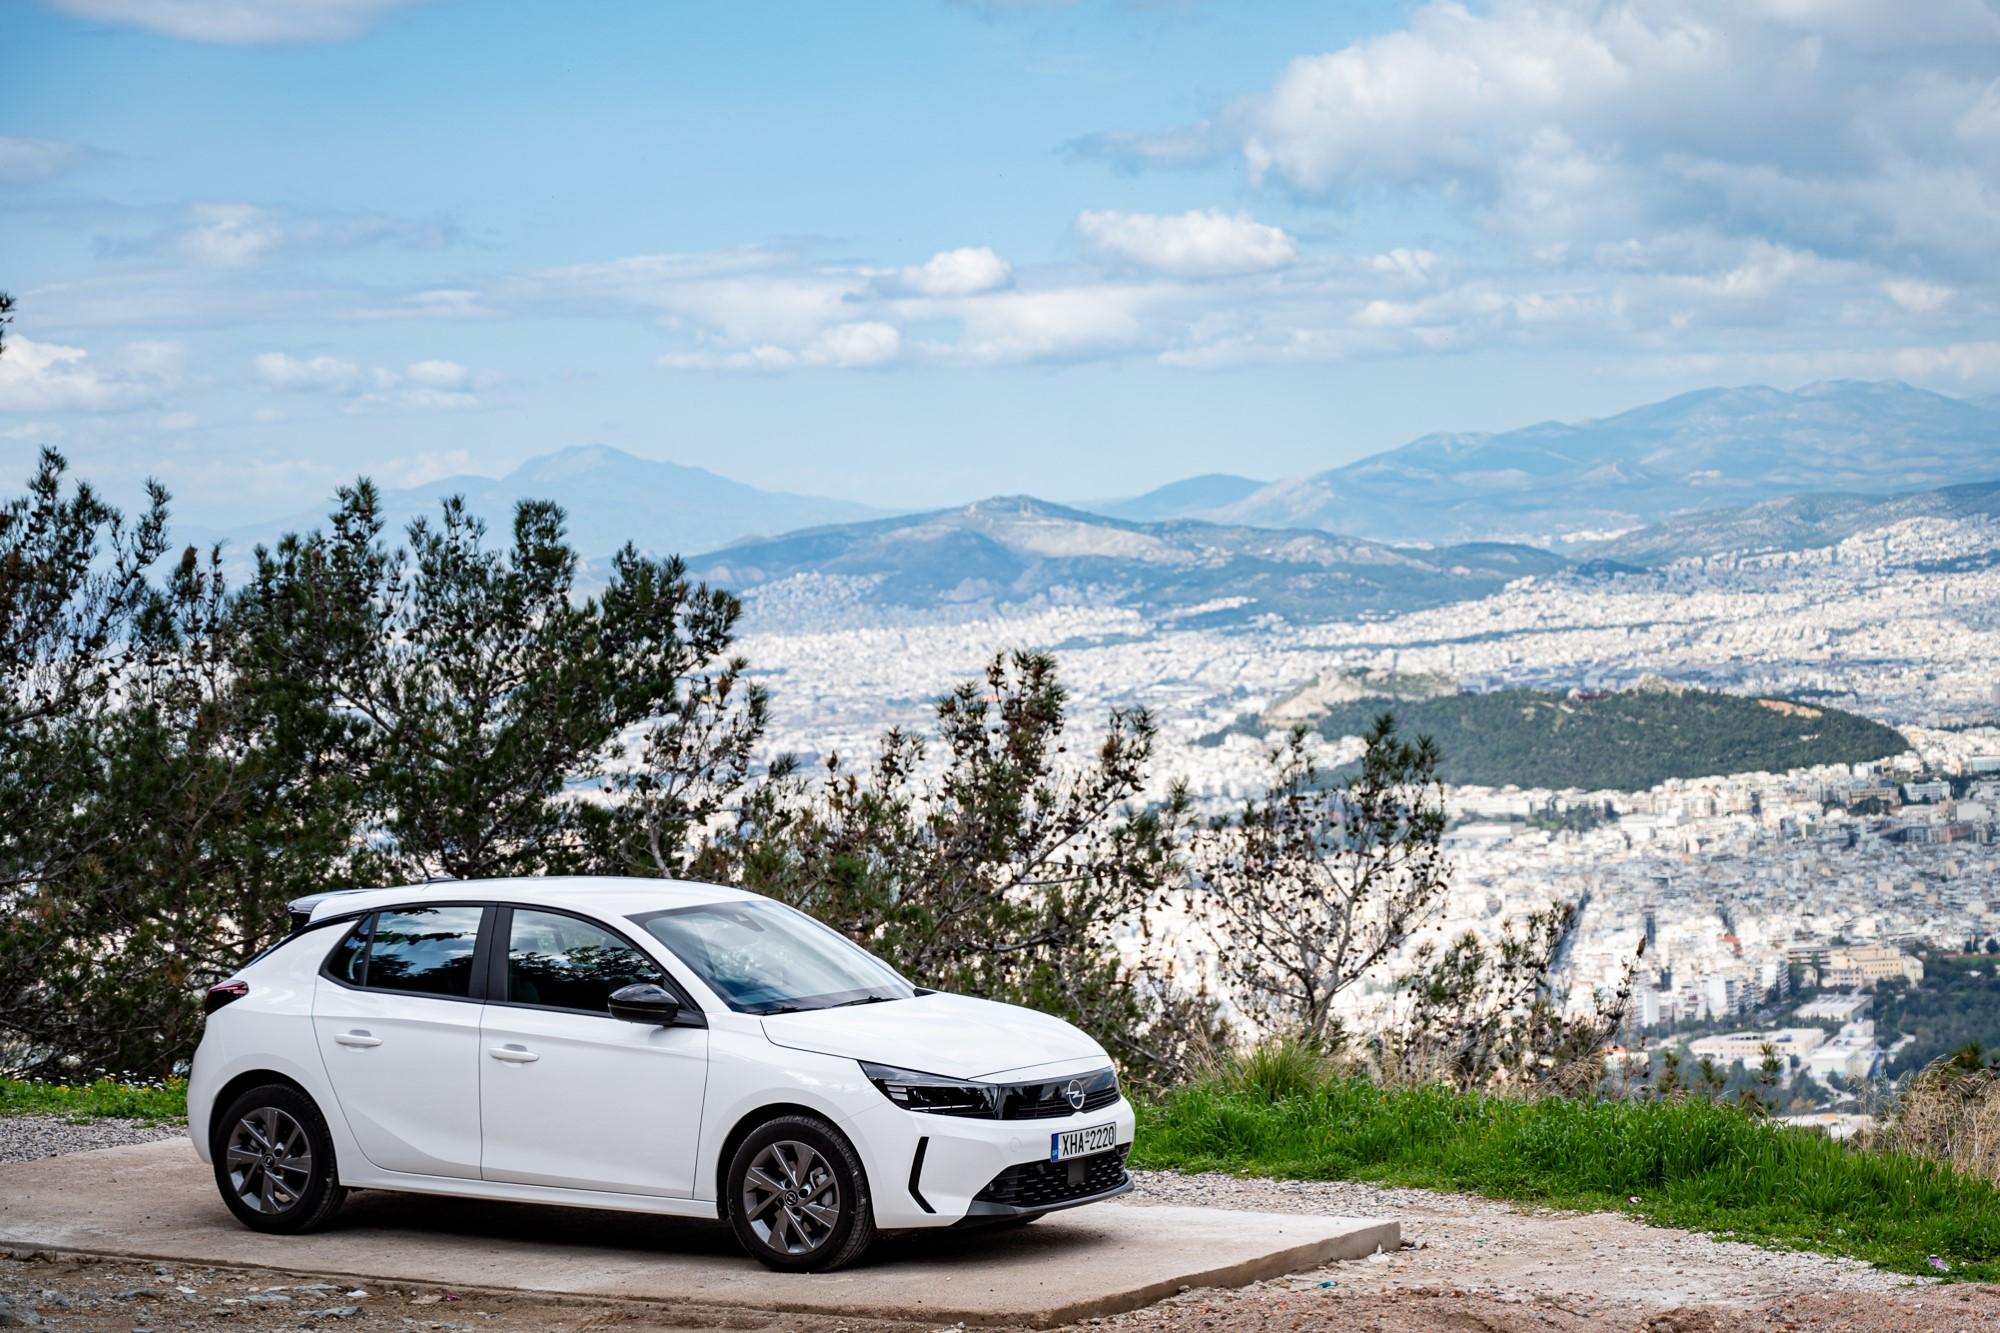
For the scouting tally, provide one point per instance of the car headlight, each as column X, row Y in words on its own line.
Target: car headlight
column 934, row 1093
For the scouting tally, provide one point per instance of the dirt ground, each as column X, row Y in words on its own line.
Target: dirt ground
column 1468, row 1266
column 89, row 1295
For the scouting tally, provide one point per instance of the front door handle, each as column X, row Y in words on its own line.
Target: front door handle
column 360, row 1039
column 513, row 1055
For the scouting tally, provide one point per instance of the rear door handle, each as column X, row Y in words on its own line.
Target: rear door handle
column 362, row 1039
column 513, row 1055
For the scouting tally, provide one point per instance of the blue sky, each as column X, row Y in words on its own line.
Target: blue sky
column 919, row 253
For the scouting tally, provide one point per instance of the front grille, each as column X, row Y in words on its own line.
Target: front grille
column 1042, row 1184
column 1049, row 1101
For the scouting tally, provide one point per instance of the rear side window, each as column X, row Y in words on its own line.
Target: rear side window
column 421, row 950
column 345, row 962
column 561, row 962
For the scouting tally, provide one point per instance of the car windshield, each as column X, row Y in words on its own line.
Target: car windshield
column 762, row 957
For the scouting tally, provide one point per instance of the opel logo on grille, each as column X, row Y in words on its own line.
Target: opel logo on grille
column 1074, row 1092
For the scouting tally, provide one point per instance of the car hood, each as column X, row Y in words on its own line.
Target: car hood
column 954, row 1035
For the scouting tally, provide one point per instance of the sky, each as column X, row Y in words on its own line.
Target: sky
column 915, row 254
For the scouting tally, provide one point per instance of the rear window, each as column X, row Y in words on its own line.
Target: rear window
column 420, row 950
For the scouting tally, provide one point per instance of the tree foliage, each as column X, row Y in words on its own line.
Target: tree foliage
column 1480, row 1016
column 76, row 613
column 179, row 760
column 473, row 694
column 189, row 829
column 989, row 859
column 1312, row 886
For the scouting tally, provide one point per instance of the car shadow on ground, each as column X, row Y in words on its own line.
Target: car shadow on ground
column 418, row 1215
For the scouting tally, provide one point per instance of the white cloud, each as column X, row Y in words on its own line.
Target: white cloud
column 49, row 377
column 963, row 272
column 437, row 303
column 233, row 236
column 748, row 296
column 868, row 343
column 440, row 374
column 841, row 347
column 1200, row 243
column 437, row 400
column 229, row 235
column 1402, row 262
column 1848, row 127
column 319, row 374
column 1066, row 323
column 420, row 469
column 431, row 385
column 1920, row 297
column 25, row 159
column 239, row 22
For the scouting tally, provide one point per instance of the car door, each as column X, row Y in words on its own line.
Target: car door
column 570, row 1096
column 397, row 1023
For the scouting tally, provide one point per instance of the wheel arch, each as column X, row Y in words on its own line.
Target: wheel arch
column 254, row 1078
column 749, row 1122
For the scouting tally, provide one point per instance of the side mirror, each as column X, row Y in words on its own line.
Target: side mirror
column 644, row 1002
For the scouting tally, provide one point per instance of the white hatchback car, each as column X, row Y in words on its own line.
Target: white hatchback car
column 647, row 1045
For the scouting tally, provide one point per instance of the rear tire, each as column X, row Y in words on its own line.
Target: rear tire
column 274, row 1161
column 798, row 1197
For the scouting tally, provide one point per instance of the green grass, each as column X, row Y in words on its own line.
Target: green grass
column 1688, row 1163
column 105, row 1098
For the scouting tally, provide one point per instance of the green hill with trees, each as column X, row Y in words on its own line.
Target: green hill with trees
column 1624, row 741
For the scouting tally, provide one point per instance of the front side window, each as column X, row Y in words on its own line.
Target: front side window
column 422, row 950
column 561, row 962
column 762, row 957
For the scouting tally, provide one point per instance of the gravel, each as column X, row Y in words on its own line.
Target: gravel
column 24, row 1138
column 1466, row 1263
column 1463, row 1245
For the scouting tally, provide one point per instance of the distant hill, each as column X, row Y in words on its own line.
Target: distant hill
column 1794, row 523
column 1711, row 449
column 611, row 497
column 1018, row 549
column 1196, row 497
column 1627, row 741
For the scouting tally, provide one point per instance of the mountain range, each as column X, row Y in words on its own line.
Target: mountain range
column 1793, row 523
column 1716, row 470
column 1710, row 449
column 1017, row 549
column 611, row 497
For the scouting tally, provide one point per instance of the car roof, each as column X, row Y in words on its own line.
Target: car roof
column 600, row 893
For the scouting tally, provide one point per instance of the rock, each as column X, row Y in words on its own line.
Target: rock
column 339, row 1312
column 13, row 1316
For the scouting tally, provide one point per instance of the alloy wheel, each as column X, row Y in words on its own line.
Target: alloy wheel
column 269, row 1158
column 791, row 1197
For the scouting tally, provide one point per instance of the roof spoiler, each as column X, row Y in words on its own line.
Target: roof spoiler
column 300, row 910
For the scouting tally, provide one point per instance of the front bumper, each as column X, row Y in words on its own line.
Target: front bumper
column 1030, row 1189
column 928, row 1170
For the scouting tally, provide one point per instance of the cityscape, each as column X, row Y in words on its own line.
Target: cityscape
column 1745, row 887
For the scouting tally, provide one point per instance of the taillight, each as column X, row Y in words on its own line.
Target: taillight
column 224, row 994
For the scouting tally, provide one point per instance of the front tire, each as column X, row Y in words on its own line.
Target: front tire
column 798, row 1197
column 274, row 1161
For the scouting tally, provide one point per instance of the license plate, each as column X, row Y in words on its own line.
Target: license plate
column 1068, row 1143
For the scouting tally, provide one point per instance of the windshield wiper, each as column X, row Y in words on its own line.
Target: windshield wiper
column 866, row 999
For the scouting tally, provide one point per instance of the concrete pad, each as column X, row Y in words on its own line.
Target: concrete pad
column 157, row 1201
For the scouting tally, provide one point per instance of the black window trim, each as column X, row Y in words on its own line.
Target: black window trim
column 475, row 984
column 489, row 957
column 495, row 977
